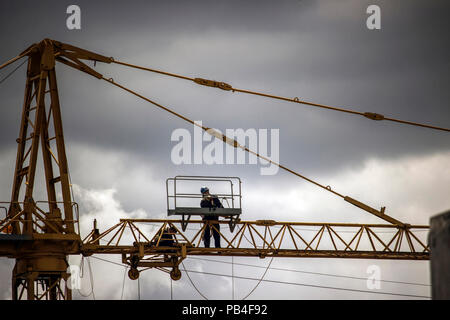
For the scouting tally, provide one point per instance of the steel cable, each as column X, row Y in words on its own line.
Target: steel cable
column 91, row 278
column 227, row 87
column 11, row 73
column 314, row 273
column 260, row 280
column 7, row 63
column 235, row 144
column 315, row 286
column 190, row 280
column 286, row 282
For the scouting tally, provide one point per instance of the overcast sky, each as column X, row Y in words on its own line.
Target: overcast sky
column 119, row 147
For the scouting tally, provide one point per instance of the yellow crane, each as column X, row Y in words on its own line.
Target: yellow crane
column 40, row 235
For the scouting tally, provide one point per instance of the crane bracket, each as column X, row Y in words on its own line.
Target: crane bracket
column 373, row 116
column 213, row 83
column 373, row 211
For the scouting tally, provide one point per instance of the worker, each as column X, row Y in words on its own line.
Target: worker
column 167, row 237
column 212, row 202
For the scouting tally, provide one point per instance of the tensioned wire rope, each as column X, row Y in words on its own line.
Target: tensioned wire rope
column 232, row 279
column 235, row 144
column 232, row 267
column 298, row 284
column 118, row 264
column 227, row 87
column 7, row 63
column 12, row 72
column 91, row 278
column 215, row 133
column 310, row 272
column 314, row 286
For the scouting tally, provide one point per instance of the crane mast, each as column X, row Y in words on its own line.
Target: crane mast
column 40, row 235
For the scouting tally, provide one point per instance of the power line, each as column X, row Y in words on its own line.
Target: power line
column 290, row 270
column 91, row 277
column 190, row 280
column 123, row 283
column 139, row 288
column 285, row 282
column 232, row 277
column 261, row 279
column 259, row 282
column 105, row 260
column 124, row 275
column 313, row 286
column 311, row 272
column 232, row 281
column 15, row 69
column 81, row 266
column 23, row 54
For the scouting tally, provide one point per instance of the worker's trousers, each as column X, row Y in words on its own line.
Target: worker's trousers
column 215, row 233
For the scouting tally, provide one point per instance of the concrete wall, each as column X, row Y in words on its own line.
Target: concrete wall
column 439, row 240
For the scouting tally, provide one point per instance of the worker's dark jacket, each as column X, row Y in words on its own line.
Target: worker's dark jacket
column 214, row 202
column 166, row 239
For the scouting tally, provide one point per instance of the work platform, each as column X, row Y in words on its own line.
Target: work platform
column 184, row 197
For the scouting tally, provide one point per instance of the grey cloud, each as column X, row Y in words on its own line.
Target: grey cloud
column 319, row 51
column 336, row 62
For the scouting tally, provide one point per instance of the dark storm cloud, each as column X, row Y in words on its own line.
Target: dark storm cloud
column 320, row 51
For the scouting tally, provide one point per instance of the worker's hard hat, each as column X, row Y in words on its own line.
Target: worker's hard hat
column 204, row 189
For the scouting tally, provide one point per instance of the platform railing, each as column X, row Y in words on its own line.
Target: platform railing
column 39, row 220
column 231, row 212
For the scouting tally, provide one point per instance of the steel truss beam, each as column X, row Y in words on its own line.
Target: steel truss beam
column 40, row 285
column 138, row 241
